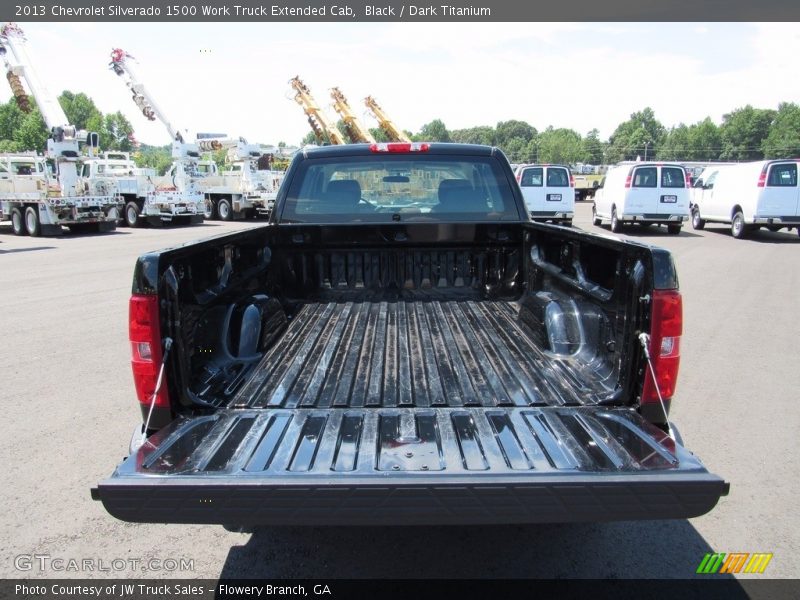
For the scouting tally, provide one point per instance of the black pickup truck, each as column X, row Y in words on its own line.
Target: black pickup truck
column 400, row 345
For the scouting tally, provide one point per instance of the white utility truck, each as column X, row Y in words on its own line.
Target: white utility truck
column 144, row 201
column 40, row 194
column 246, row 189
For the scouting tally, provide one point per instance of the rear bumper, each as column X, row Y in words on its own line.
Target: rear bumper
column 426, row 502
column 186, row 218
column 549, row 215
column 785, row 221
column 653, row 218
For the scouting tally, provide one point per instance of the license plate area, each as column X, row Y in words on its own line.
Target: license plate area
column 554, row 197
column 669, row 199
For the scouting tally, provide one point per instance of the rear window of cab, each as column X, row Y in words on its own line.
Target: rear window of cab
column 390, row 188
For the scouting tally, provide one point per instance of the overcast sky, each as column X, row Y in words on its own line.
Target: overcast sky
column 233, row 78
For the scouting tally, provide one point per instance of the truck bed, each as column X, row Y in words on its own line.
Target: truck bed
column 387, row 351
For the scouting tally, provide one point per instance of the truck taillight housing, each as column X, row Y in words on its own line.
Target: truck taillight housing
column 400, row 147
column 665, row 344
column 762, row 179
column 571, row 180
column 629, row 179
column 144, row 333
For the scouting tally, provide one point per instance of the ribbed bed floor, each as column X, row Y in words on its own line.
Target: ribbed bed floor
column 417, row 353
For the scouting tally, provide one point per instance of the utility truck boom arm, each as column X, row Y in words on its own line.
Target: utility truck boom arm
column 389, row 128
column 355, row 130
column 316, row 118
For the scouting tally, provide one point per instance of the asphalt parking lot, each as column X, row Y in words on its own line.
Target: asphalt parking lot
column 69, row 409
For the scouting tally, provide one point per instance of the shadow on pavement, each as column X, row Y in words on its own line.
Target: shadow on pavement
column 636, row 549
column 636, row 231
column 27, row 249
column 762, row 236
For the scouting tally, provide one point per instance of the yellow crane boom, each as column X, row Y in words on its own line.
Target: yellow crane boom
column 389, row 128
column 354, row 129
column 316, row 118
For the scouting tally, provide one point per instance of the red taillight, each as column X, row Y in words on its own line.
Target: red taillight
column 400, row 147
column 145, row 336
column 688, row 177
column 628, row 180
column 762, row 179
column 571, row 180
column 519, row 178
column 665, row 344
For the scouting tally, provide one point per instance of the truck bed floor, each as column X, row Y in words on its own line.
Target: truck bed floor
column 420, row 353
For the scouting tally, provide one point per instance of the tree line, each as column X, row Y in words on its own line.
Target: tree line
column 746, row 133
column 20, row 131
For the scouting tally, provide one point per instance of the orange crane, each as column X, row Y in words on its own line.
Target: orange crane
column 316, row 118
column 389, row 128
column 355, row 130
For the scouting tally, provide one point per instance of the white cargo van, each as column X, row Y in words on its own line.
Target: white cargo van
column 644, row 193
column 549, row 192
column 748, row 196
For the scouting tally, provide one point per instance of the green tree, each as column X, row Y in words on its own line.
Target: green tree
column 638, row 136
column 744, row 131
column 474, row 135
column 705, row 141
column 435, row 131
column 220, row 157
column 783, row 140
column 31, row 133
column 592, row 148
column 562, row 146
column 516, row 150
column 675, row 144
column 508, row 130
column 11, row 118
column 81, row 111
column 310, row 138
column 379, row 134
column 116, row 133
column 9, row 146
column 154, row 157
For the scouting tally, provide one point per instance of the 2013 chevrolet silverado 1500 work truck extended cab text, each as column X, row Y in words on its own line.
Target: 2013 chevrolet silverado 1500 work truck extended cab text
column 400, row 345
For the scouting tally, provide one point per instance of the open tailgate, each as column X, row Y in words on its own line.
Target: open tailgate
column 410, row 466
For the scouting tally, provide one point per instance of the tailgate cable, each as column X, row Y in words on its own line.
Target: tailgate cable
column 645, row 341
column 159, row 382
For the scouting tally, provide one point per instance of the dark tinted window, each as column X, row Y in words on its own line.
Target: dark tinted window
column 557, row 177
column 386, row 188
column 531, row 177
column 783, row 175
column 645, row 177
column 672, row 177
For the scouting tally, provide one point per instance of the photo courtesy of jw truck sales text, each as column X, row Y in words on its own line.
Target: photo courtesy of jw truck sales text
column 314, row 294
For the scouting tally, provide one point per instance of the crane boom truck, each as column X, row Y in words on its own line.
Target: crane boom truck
column 319, row 123
column 179, row 200
column 242, row 191
column 355, row 130
column 39, row 194
column 389, row 128
column 246, row 188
